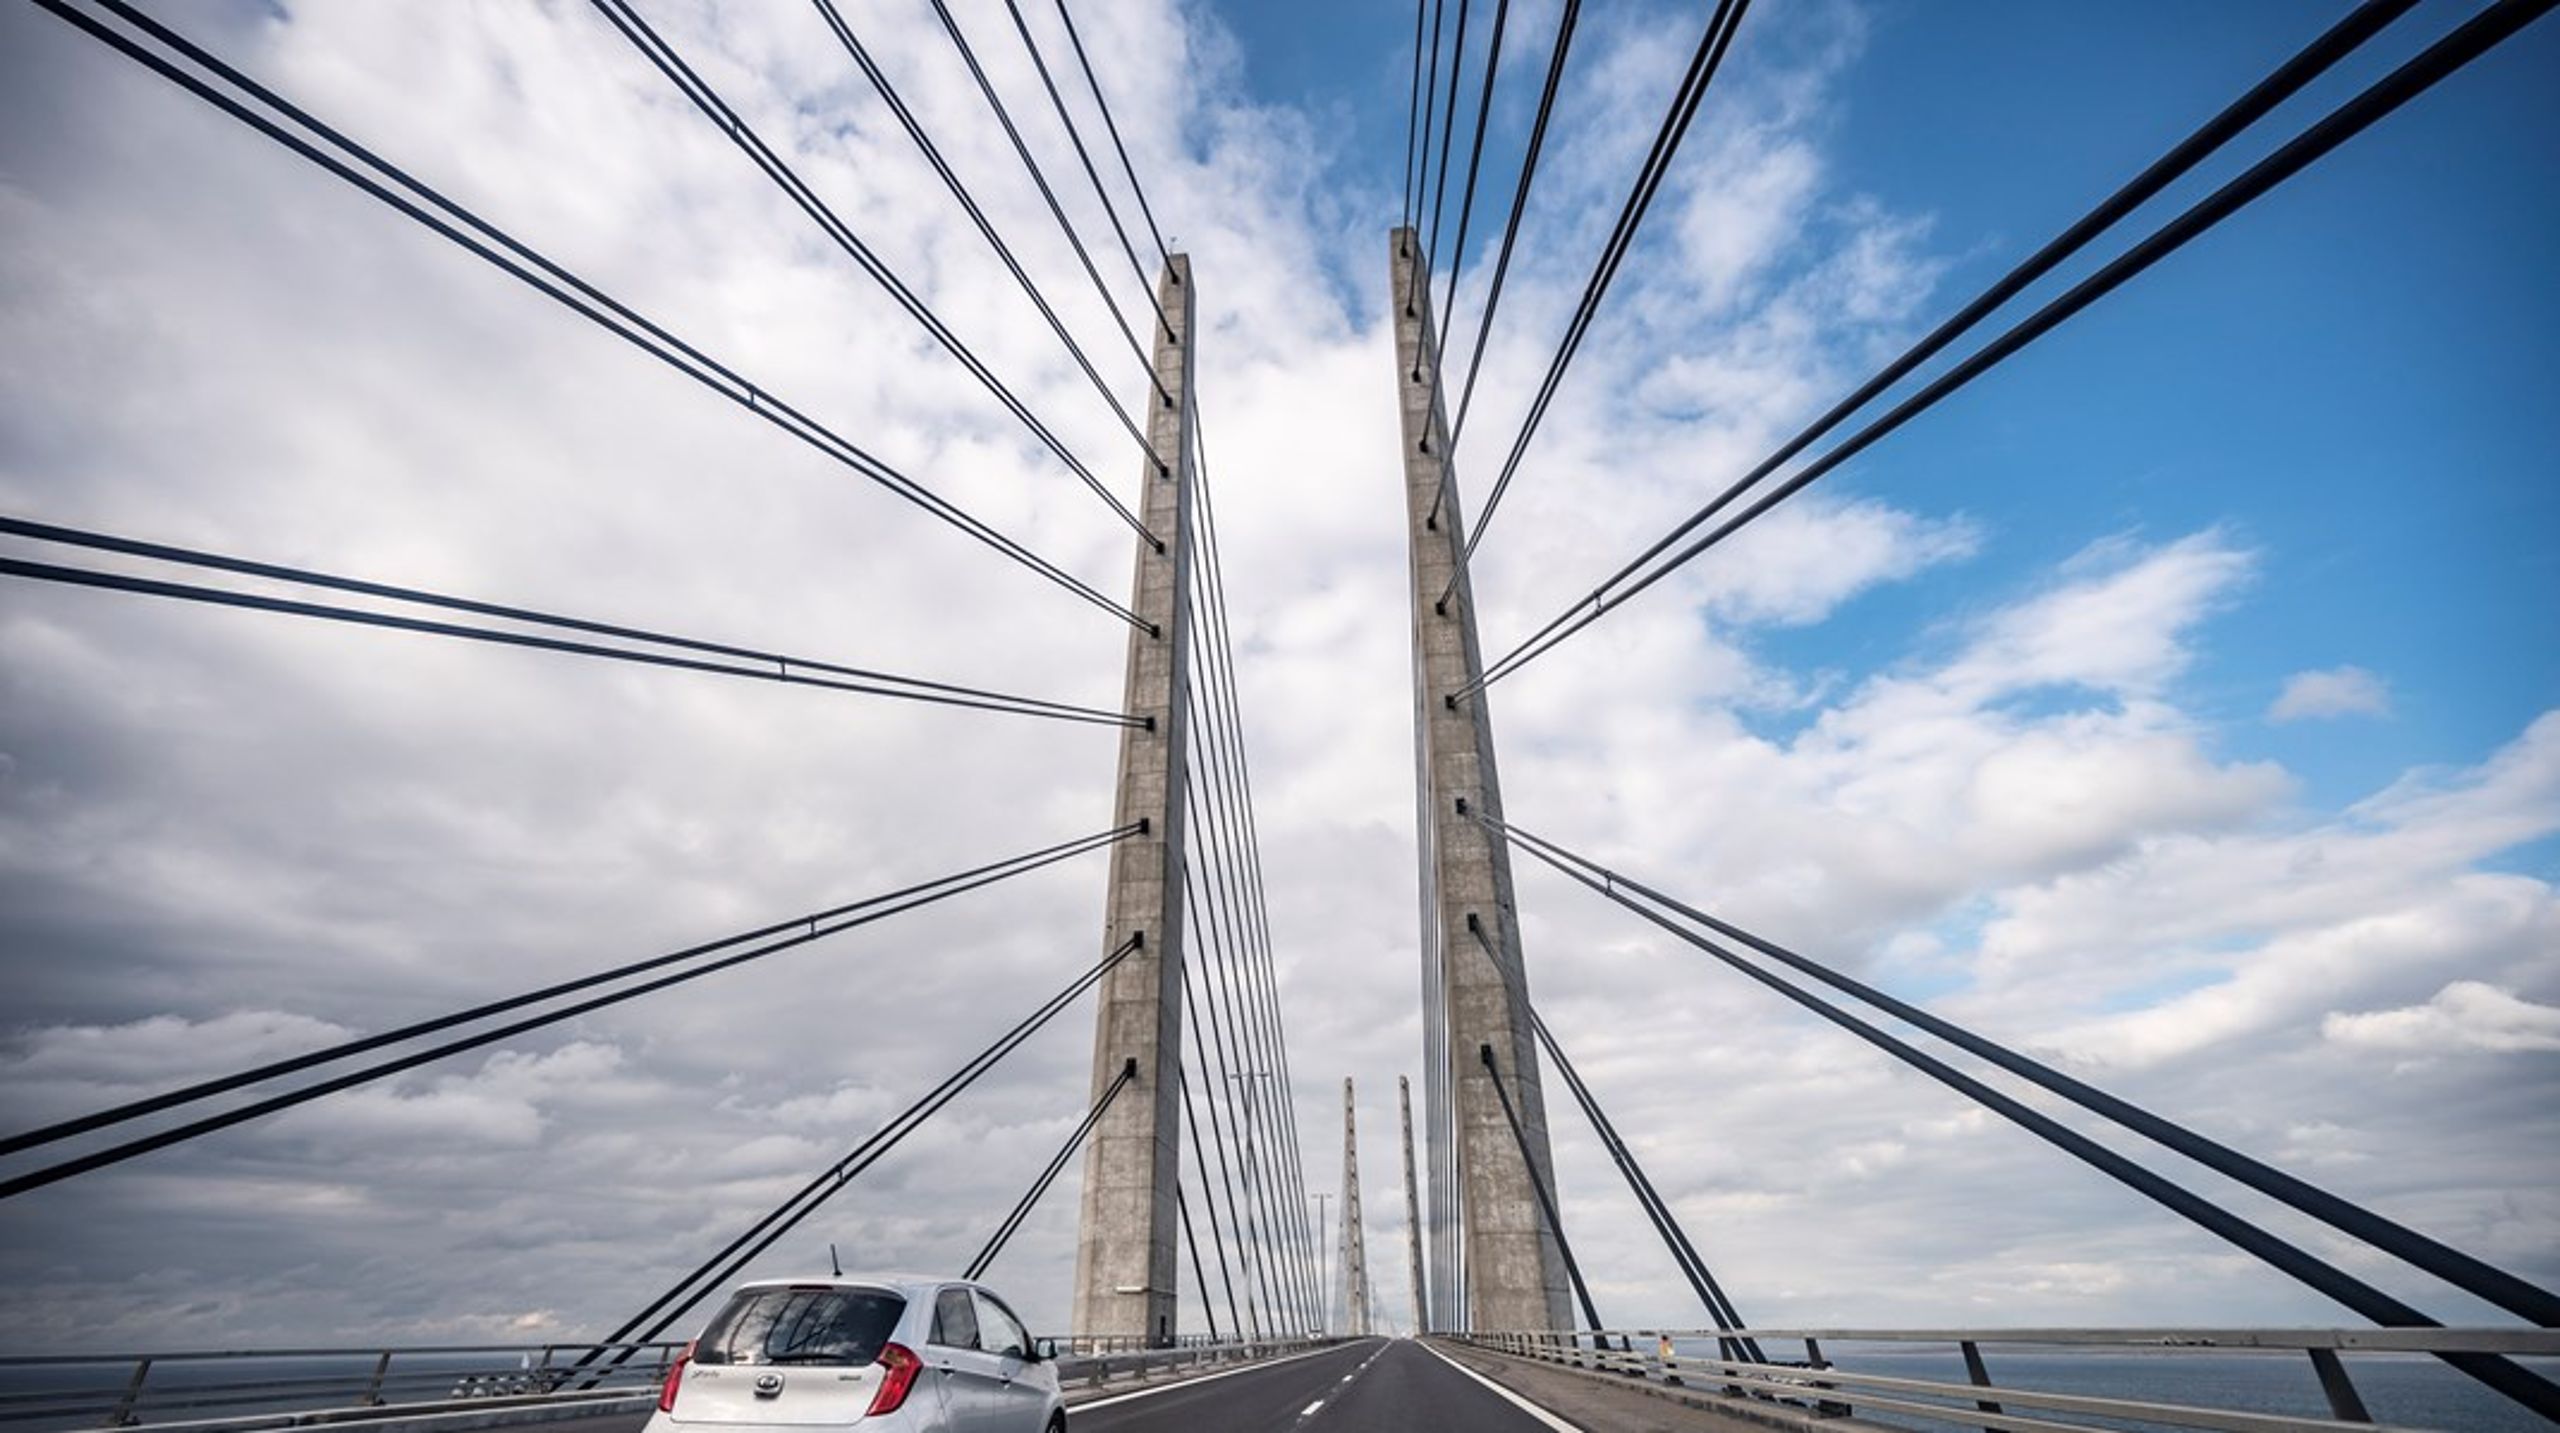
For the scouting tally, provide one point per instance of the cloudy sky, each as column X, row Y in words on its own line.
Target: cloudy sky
column 2178, row 703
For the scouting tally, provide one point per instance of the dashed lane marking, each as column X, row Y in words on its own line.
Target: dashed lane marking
column 1311, row 1409
column 1073, row 1408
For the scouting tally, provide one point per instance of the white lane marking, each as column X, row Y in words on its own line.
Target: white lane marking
column 1073, row 1408
column 1310, row 1410
column 1514, row 1399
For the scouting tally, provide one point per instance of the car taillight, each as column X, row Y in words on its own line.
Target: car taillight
column 900, row 1367
column 675, row 1377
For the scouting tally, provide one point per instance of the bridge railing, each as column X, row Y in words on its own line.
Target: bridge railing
column 224, row 1389
column 1712, row 1360
column 1135, row 1364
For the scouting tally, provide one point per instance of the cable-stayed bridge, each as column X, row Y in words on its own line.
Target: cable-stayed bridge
column 1203, row 1295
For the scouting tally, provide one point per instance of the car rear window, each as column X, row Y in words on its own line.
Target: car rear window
column 811, row 1325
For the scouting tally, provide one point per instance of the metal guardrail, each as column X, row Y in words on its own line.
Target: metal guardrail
column 227, row 1391
column 1094, row 1370
column 224, row 1389
column 1818, row 1386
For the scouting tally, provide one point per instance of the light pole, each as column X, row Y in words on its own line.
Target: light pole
column 1324, row 1264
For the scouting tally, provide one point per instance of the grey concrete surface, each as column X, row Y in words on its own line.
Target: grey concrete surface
column 1125, row 1271
column 1515, row 1274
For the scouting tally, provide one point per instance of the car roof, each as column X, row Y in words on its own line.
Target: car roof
column 903, row 1283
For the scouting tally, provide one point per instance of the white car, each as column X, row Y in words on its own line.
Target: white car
column 893, row 1353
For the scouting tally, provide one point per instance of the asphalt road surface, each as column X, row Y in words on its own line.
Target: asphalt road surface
column 1371, row 1386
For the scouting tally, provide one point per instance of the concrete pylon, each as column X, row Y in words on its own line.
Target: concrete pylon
column 1125, row 1273
column 1412, row 1209
column 1355, row 1249
column 1514, row 1271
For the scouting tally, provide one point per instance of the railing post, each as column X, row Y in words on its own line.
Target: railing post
column 2344, row 1402
column 1979, row 1377
column 123, row 1416
column 373, row 1389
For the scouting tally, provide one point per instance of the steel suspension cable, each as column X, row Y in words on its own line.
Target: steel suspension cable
column 1722, row 25
column 867, row 681
column 1429, row 106
column 1199, row 1271
column 1448, row 128
column 1103, row 106
column 1226, row 922
column 1475, row 159
column 654, row 47
column 812, row 928
column 1413, row 114
column 1075, row 137
column 2472, row 1275
column 2504, row 1375
column 1219, row 931
column 1538, row 1186
column 986, row 228
column 1209, row 1203
column 259, row 1074
column 1057, row 211
column 2474, row 38
column 1241, row 1196
column 1519, row 204
column 452, row 221
column 1657, row 1210
column 1247, row 1125
column 1049, row 1175
column 1257, row 888
column 720, row 1268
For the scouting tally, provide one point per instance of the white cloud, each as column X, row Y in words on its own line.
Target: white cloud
column 225, row 837
column 2464, row 1016
column 2340, row 691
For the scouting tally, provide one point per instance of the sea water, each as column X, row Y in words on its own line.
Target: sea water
column 2409, row 1390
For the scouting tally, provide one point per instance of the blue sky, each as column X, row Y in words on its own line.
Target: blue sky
column 2352, row 378
column 1991, row 714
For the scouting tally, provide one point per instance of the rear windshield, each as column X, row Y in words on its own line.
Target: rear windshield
column 814, row 1325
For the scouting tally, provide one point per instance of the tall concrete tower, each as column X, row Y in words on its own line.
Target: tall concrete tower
column 1511, row 1268
column 1355, row 1252
column 1125, row 1272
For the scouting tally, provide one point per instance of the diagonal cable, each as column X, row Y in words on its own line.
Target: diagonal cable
column 715, row 1272
column 377, row 177
column 1712, row 45
column 1519, row 203
column 986, row 228
column 2468, row 42
column 812, row 928
column 2465, row 1272
column 1475, row 158
column 2368, row 1301
column 1103, row 106
column 659, row 53
column 789, row 670
column 1049, row 1175
column 1057, row 211
column 1657, row 1210
column 1075, row 137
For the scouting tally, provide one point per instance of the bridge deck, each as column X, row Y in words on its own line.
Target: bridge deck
column 1365, row 1386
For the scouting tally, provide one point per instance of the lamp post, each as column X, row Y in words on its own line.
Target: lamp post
column 1324, row 1264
